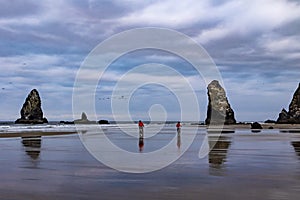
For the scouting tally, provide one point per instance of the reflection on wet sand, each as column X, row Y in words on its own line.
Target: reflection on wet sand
column 218, row 154
column 178, row 137
column 32, row 146
column 296, row 145
column 141, row 144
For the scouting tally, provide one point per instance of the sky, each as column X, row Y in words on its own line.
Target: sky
column 255, row 45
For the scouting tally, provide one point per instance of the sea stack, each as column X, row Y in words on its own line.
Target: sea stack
column 31, row 112
column 218, row 109
column 84, row 120
column 293, row 115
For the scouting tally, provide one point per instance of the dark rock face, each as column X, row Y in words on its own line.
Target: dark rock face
column 256, row 125
column 293, row 115
column 270, row 121
column 103, row 121
column 66, row 122
column 218, row 110
column 31, row 112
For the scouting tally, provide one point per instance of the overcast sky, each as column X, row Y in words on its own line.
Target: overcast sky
column 254, row 43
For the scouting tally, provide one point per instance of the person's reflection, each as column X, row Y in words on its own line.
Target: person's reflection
column 178, row 137
column 178, row 127
column 141, row 144
column 218, row 153
column 32, row 146
column 296, row 145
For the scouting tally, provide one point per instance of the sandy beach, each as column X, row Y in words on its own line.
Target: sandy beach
column 242, row 165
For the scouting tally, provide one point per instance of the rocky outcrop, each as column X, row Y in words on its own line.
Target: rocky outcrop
column 31, row 112
column 84, row 120
column 218, row 110
column 103, row 121
column 293, row 115
column 256, row 125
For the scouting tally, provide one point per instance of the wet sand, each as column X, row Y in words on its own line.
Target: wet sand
column 242, row 165
column 34, row 134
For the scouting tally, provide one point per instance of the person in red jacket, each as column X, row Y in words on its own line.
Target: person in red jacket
column 141, row 129
column 178, row 126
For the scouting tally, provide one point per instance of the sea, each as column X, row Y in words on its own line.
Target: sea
column 190, row 163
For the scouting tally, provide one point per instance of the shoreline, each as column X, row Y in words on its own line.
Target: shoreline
column 284, row 128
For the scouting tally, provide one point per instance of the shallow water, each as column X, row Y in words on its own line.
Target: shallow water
column 242, row 165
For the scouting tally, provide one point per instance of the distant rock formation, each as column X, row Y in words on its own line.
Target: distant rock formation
column 103, row 121
column 84, row 120
column 66, row 122
column 31, row 112
column 293, row 115
column 270, row 121
column 218, row 109
column 256, row 125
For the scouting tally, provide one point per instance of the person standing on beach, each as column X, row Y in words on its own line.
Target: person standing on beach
column 141, row 129
column 178, row 126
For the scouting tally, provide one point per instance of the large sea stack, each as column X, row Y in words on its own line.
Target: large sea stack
column 31, row 112
column 218, row 109
column 293, row 115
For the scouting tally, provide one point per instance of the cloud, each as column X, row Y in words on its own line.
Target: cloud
column 250, row 17
column 254, row 43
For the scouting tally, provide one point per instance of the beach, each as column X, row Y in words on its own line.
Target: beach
column 242, row 165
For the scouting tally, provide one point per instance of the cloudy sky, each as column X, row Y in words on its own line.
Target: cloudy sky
column 254, row 43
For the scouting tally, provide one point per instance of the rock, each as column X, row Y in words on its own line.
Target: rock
column 84, row 120
column 284, row 117
column 31, row 112
column 66, row 122
column 218, row 110
column 256, row 125
column 270, row 121
column 84, row 117
column 102, row 121
column 293, row 115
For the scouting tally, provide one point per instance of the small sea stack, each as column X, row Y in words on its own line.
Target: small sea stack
column 31, row 112
column 293, row 115
column 218, row 109
column 84, row 120
column 256, row 127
